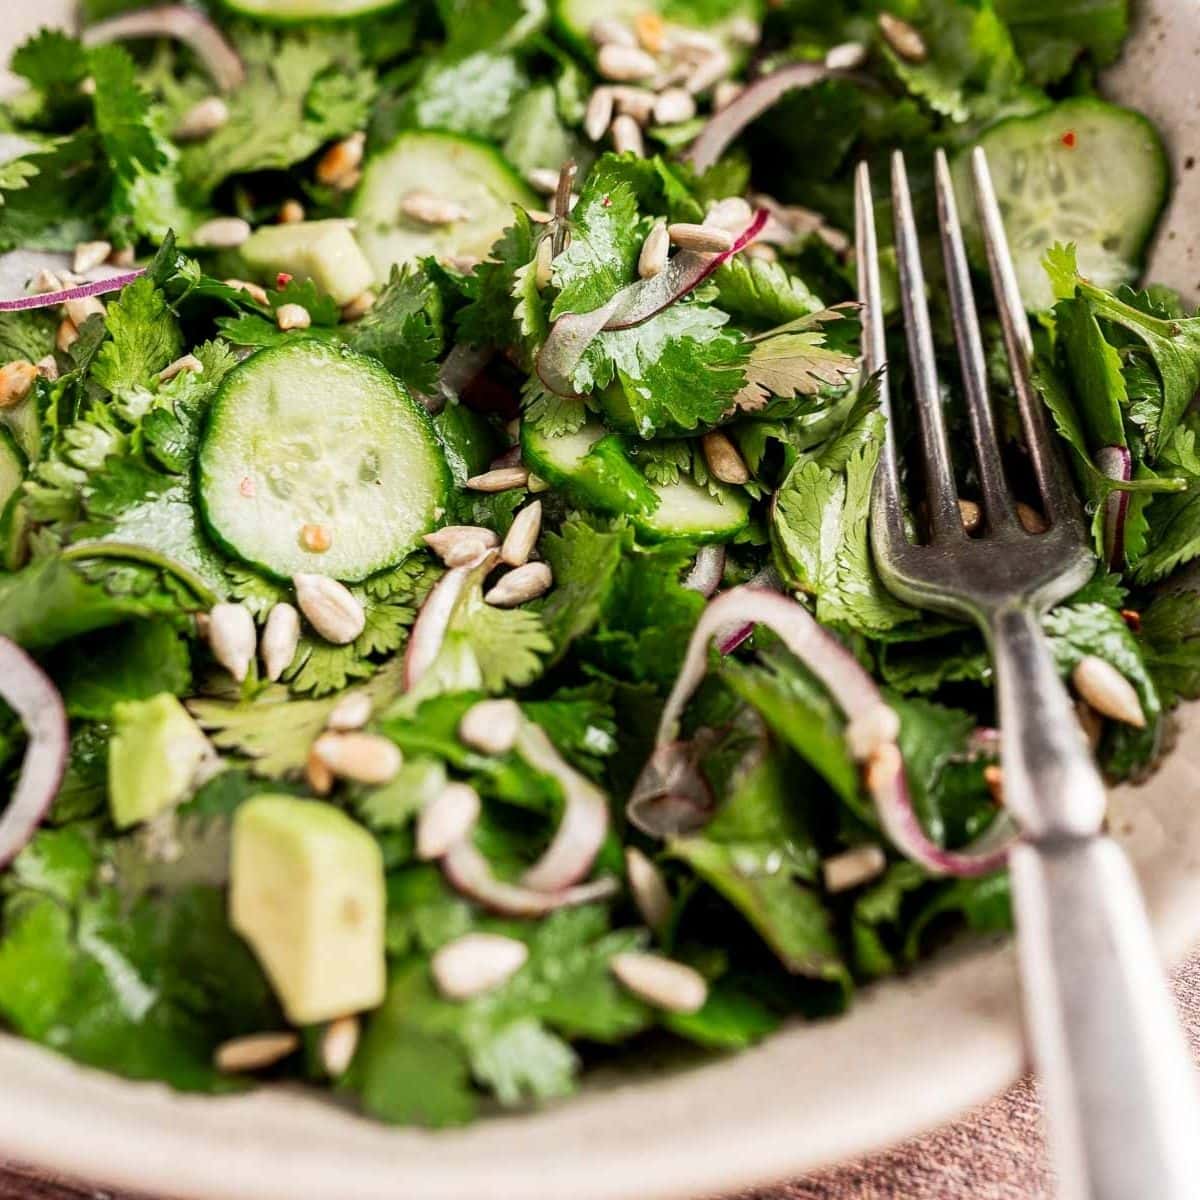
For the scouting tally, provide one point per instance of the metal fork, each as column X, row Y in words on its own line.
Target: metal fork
column 1120, row 1092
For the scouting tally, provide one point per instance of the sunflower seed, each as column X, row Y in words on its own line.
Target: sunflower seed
column 189, row 362
column 846, row 56
column 870, row 729
column 292, row 316
column 222, row 233
column 66, row 335
column 339, row 165
column 699, row 237
column 522, row 535
column 125, row 257
column 476, row 963
column 280, row 637
column 674, row 106
column 429, row 209
column 543, row 263
column 520, row 585
column 543, row 179
column 627, row 136
column 762, row 251
column 86, row 306
column 693, row 45
column 853, row 868
column 362, row 757
column 45, row 282
column 1090, row 721
column 723, row 459
column 1031, row 520
column 202, row 120
column 993, row 776
column 256, row 293
column 609, row 32
column 358, row 308
column 291, row 212
column 648, row 28
column 16, row 382
column 598, row 113
column 47, row 368
column 648, row 889
column 318, row 776
column 971, row 515
column 351, row 712
column 330, row 607
column 625, row 64
column 449, row 537
column 316, row 539
column 232, row 638
column 902, row 38
column 732, row 214
column 254, row 1052
column 708, row 73
column 662, row 982
column 491, row 726
column 89, row 255
column 338, row 1045
column 725, row 93
column 635, row 102
column 653, row 257
column 502, row 479
column 1108, row 691
column 537, row 484
column 745, row 29
column 446, row 820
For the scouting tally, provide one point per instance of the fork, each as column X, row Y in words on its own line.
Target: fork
column 1122, row 1109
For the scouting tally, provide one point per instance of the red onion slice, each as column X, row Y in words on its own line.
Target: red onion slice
column 871, row 727
column 33, row 697
column 94, row 287
column 571, row 334
column 672, row 797
column 754, row 100
column 706, row 572
column 183, row 24
column 470, row 873
column 1117, row 463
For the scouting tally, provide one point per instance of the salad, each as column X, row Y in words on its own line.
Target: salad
column 439, row 644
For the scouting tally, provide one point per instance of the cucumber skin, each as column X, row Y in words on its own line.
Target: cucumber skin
column 424, row 423
column 605, row 479
column 649, row 532
column 249, row 12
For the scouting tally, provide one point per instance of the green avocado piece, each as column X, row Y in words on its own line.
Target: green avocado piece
column 155, row 753
column 324, row 251
column 307, row 893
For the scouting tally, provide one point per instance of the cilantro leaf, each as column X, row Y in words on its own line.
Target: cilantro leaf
column 143, row 337
column 122, row 111
column 506, row 642
column 1170, row 641
column 403, row 329
column 172, row 431
column 762, row 292
column 1050, row 39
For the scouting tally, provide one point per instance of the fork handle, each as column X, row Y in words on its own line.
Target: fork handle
column 1122, row 1109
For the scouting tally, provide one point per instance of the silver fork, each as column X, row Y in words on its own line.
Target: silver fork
column 1120, row 1092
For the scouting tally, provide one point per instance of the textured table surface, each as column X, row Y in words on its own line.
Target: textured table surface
column 993, row 1153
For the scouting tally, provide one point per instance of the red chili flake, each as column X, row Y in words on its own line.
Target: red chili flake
column 247, row 488
column 1069, row 139
column 282, row 280
column 1132, row 618
column 606, row 202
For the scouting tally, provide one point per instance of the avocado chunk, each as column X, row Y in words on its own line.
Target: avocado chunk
column 153, row 758
column 307, row 893
column 324, row 251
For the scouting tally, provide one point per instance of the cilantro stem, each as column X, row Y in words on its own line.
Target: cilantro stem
column 143, row 554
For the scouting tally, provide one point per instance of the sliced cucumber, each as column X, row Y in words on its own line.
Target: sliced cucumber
column 468, row 174
column 575, row 18
column 1083, row 171
column 686, row 510
column 309, row 435
column 323, row 251
column 591, row 466
column 308, row 10
column 12, row 467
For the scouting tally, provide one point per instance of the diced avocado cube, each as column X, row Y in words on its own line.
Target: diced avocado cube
column 153, row 758
column 307, row 893
column 324, row 251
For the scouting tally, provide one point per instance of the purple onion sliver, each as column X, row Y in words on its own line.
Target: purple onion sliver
column 1117, row 463
column 96, row 287
column 706, row 572
column 671, row 797
column 470, row 874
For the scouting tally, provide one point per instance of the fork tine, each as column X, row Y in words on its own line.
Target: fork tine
column 970, row 350
column 1057, row 496
column 874, row 351
column 941, row 492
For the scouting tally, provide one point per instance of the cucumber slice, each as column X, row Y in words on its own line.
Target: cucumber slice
column 466, row 172
column 308, row 10
column 686, row 510
column 323, row 251
column 1083, row 171
column 311, row 434
column 12, row 467
column 591, row 466
column 575, row 18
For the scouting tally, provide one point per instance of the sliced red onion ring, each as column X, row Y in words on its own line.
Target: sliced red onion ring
column 471, row 874
column 584, row 824
column 462, row 366
column 510, row 458
column 754, row 100
column 33, row 697
column 706, row 572
column 94, row 287
column 429, row 629
column 571, row 334
column 1117, row 463
column 768, row 579
column 183, row 24
column 672, row 797
column 871, row 724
